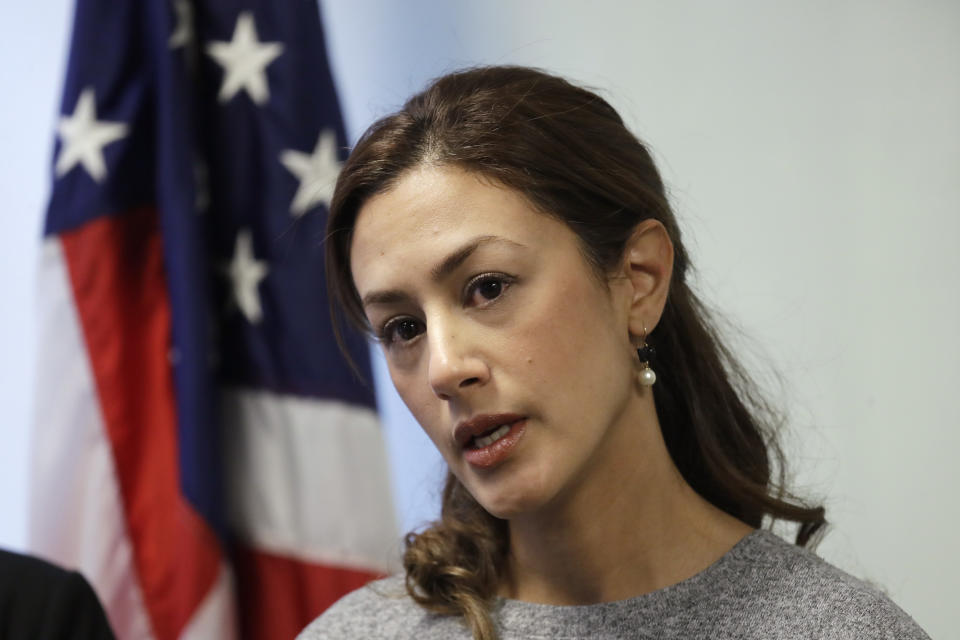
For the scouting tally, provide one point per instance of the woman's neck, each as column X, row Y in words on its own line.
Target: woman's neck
column 634, row 528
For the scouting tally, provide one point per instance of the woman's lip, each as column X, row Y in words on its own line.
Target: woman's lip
column 496, row 452
column 480, row 424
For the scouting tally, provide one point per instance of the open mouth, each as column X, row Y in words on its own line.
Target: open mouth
column 489, row 448
column 488, row 439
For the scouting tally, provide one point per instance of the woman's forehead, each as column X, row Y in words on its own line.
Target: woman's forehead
column 428, row 197
column 431, row 211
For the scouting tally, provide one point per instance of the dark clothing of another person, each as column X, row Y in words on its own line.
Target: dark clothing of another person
column 41, row 600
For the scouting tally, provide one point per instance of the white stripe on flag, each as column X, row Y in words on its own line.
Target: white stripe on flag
column 308, row 478
column 215, row 618
column 76, row 513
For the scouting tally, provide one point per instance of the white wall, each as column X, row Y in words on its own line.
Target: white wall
column 813, row 153
column 812, row 150
column 33, row 49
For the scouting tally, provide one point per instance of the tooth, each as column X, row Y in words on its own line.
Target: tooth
column 486, row 441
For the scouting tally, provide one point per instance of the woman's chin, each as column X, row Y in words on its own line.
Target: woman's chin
column 508, row 505
column 505, row 512
column 514, row 491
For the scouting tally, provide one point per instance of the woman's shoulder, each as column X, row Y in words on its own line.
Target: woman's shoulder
column 793, row 587
column 380, row 610
column 363, row 613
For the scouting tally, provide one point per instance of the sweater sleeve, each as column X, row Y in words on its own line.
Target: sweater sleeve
column 871, row 616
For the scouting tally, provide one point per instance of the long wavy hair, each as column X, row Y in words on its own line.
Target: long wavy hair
column 567, row 151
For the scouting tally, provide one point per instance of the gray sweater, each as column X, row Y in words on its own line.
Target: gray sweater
column 763, row 588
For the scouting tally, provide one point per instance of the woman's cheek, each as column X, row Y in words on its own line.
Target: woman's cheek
column 419, row 399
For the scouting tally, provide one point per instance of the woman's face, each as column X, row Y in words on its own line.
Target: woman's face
column 508, row 349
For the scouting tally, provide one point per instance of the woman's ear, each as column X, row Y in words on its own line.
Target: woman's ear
column 647, row 265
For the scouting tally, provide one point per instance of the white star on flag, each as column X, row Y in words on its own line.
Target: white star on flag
column 244, row 60
column 245, row 273
column 183, row 33
column 317, row 173
column 83, row 138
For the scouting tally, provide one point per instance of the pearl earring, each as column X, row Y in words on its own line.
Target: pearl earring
column 646, row 353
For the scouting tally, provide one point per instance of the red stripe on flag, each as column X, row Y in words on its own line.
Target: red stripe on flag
column 116, row 271
column 279, row 596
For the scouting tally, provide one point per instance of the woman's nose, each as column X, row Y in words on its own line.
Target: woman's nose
column 454, row 364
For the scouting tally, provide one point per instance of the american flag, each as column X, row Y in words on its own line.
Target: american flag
column 202, row 452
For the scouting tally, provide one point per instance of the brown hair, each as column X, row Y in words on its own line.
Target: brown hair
column 568, row 152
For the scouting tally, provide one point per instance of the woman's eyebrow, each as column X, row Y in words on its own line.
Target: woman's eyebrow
column 384, row 297
column 440, row 271
column 458, row 257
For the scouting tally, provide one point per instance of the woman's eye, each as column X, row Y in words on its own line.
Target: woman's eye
column 486, row 288
column 490, row 289
column 401, row 330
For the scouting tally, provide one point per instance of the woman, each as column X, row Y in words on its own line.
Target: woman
column 509, row 244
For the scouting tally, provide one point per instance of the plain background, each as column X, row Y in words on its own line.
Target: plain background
column 812, row 151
